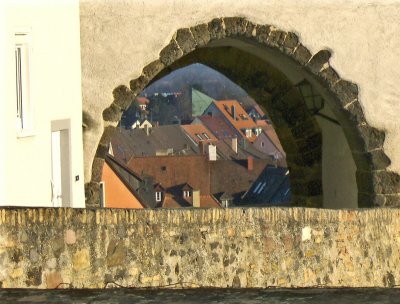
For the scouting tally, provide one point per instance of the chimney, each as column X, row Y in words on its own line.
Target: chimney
column 250, row 163
column 233, row 112
column 212, row 152
column 235, row 144
column 202, row 147
column 196, row 198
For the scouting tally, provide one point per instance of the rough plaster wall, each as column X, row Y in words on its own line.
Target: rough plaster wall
column 253, row 247
column 119, row 38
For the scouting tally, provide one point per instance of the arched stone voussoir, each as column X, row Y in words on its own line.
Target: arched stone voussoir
column 112, row 113
column 216, row 28
column 185, row 40
column 123, row 97
column 97, row 169
column 170, row 53
column 92, row 195
column 235, row 26
column 301, row 54
column 319, row 61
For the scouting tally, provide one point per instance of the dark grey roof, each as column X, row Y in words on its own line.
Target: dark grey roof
column 245, row 149
column 162, row 140
column 271, row 188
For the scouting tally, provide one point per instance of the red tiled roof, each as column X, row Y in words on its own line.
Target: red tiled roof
column 142, row 100
column 198, row 130
column 242, row 121
column 172, row 171
column 218, row 127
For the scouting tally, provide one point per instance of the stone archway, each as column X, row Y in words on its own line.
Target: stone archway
column 376, row 185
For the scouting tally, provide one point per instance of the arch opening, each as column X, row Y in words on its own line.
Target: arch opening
column 374, row 185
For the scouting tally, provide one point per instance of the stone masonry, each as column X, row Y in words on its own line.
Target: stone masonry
column 274, row 247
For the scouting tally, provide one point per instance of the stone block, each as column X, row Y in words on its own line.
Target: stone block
column 364, row 138
column 107, row 135
column 317, row 61
column 345, row 91
column 123, row 97
column 262, row 33
column 137, row 85
column 235, row 26
column 70, row 237
column 201, row 34
column 216, row 27
column 276, row 38
column 97, row 169
column 112, row 113
column 301, row 54
column 291, row 41
column 378, row 182
column 374, row 160
column 81, row 260
column 116, row 254
column 185, row 40
column 53, row 280
column 330, row 76
column 170, row 53
column 152, row 69
column 251, row 29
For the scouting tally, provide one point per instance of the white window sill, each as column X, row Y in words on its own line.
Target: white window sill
column 25, row 133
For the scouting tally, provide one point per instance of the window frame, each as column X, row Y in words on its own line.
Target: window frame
column 23, row 82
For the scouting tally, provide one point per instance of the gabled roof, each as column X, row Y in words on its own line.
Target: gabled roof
column 225, row 151
column 136, row 143
column 142, row 100
column 130, row 179
column 242, row 120
column 270, row 133
column 200, row 102
column 271, row 188
column 199, row 132
column 175, row 171
column 233, row 177
column 218, row 126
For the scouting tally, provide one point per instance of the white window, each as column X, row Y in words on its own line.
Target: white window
column 186, row 193
column 206, row 136
column 199, row 136
column 248, row 133
column 22, row 77
column 158, row 196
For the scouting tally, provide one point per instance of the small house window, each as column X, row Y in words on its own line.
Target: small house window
column 158, row 196
column 22, row 82
column 199, row 136
column 186, row 193
column 206, row 136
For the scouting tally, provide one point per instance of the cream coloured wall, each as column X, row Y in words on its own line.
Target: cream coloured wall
column 55, row 95
column 119, row 38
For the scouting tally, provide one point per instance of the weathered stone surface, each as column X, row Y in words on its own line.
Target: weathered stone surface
column 235, row 26
column 116, row 253
column 81, row 260
column 364, row 138
column 97, row 169
column 330, row 76
column 216, row 27
column 251, row 29
column 112, row 113
column 262, row 33
column 378, row 182
column 152, row 69
column 170, row 53
column 201, row 34
column 276, row 38
column 34, row 276
column 345, row 91
column 123, row 97
column 318, row 61
column 101, row 151
column 374, row 160
column 185, row 40
column 107, row 134
column 137, row 85
column 92, row 195
column 53, row 280
column 291, row 41
column 70, row 237
column 301, row 54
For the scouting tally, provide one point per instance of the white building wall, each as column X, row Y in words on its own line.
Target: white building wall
column 55, row 79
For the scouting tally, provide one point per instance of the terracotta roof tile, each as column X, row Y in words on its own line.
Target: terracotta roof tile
column 220, row 128
column 199, row 132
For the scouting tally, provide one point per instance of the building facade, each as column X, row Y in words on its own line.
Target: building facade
column 41, row 105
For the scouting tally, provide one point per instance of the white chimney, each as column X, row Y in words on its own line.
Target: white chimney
column 196, row 198
column 235, row 144
column 212, row 152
